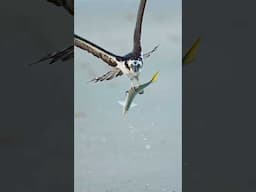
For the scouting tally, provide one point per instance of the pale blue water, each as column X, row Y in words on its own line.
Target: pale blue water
column 142, row 152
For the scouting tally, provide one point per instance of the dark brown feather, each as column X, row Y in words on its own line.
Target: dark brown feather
column 108, row 76
column 97, row 51
column 67, row 4
column 61, row 55
column 137, row 31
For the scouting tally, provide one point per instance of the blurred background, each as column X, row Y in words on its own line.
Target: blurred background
column 36, row 129
column 143, row 151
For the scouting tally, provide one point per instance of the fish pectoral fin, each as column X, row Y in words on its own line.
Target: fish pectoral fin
column 133, row 105
column 141, row 92
column 122, row 103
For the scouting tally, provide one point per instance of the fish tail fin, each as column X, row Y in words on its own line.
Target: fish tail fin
column 192, row 52
column 155, row 77
column 124, row 113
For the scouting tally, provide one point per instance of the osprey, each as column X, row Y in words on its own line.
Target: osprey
column 68, row 53
column 130, row 64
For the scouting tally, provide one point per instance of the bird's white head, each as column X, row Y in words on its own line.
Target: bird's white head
column 135, row 65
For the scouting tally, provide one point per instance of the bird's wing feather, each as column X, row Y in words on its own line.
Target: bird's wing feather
column 137, row 31
column 148, row 54
column 67, row 4
column 61, row 55
column 108, row 76
column 97, row 51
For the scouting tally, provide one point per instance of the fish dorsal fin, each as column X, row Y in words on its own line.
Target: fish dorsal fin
column 122, row 103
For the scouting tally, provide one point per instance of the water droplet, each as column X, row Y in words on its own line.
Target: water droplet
column 148, row 147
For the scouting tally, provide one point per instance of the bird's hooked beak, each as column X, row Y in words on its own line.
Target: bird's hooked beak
column 136, row 66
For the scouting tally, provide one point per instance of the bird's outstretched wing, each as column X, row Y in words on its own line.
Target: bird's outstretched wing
column 148, row 54
column 61, row 55
column 97, row 51
column 137, row 31
column 67, row 4
column 67, row 53
column 108, row 76
column 190, row 56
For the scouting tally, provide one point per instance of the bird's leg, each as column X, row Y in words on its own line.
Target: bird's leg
column 135, row 83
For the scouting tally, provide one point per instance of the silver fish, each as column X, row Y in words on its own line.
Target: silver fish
column 133, row 91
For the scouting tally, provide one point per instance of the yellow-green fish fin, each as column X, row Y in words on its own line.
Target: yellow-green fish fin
column 191, row 54
column 155, row 77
